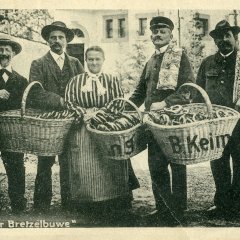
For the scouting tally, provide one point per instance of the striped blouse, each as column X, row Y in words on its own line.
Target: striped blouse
column 75, row 95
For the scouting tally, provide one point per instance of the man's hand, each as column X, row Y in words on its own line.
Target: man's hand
column 4, row 94
column 158, row 106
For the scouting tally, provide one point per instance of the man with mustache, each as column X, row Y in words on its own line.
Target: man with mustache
column 163, row 74
column 219, row 75
column 53, row 70
column 12, row 86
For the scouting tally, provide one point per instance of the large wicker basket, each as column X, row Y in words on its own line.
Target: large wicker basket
column 195, row 142
column 21, row 131
column 121, row 145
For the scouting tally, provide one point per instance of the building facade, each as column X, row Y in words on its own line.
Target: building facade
column 116, row 30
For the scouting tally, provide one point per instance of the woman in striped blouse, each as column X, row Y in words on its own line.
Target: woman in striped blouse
column 96, row 183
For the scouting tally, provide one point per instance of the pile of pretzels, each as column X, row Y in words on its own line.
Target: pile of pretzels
column 105, row 121
column 56, row 115
column 177, row 115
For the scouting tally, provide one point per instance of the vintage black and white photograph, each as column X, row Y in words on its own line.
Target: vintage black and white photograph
column 119, row 117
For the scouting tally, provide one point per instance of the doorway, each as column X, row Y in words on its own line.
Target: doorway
column 76, row 50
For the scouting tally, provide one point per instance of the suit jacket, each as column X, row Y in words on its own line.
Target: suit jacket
column 15, row 85
column 146, row 89
column 216, row 75
column 45, row 70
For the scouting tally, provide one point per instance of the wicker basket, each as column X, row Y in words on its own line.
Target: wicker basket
column 195, row 142
column 121, row 145
column 21, row 131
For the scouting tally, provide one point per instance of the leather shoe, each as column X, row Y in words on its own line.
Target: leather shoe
column 161, row 219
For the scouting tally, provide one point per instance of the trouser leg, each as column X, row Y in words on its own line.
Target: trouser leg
column 158, row 167
column 222, row 177
column 235, row 153
column 133, row 181
column 64, row 180
column 14, row 166
column 179, row 186
column 43, row 182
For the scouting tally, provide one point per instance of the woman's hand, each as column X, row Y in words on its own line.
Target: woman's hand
column 158, row 106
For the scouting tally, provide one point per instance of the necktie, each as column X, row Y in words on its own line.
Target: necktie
column 60, row 62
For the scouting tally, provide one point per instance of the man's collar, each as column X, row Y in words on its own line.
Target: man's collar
column 225, row 56
column 9, row 68
column 56, row 56
column 162, row 49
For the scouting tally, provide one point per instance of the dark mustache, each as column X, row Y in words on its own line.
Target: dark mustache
column 3, row 56
column 157, row 38
column 56, row 45
column 225, row 44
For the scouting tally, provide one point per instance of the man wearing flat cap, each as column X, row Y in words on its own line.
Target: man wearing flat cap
column 164, row 73
column 219, row 75
column 53, row 71
column 12, row 86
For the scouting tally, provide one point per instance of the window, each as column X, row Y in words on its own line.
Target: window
column 115, row 28
column 142, row 26
column 201, row 24
column 121, row 27
column 201, row 27
column 109, row 28
column 142, row 22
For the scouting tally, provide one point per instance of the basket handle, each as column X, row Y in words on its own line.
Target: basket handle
column 132, row 104
column 25, row 94
column 204, row 95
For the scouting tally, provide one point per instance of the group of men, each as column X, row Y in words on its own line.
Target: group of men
column 166, row 70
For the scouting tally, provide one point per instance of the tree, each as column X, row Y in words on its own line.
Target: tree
column 130, row 66
column 24, row 23
column 192, row 41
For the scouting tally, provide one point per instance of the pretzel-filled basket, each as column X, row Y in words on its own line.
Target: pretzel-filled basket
column 118, row 136
column 33, row 130
column 192, row 133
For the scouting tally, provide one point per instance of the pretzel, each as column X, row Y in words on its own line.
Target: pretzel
column 176, row 109
column 164, row 119
column 182, row 119
column 220, row 113
column 185, row 110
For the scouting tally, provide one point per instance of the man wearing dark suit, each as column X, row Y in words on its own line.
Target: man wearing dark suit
column 53, row 70
column 12, row 86
column 219, row 76
column 165, row 71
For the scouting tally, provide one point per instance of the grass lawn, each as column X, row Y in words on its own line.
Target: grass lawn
column 200, row 197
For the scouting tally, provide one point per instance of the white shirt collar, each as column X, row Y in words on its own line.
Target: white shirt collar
column 227, row 54
column 162, row 49
column 9, row 68
column 56, row 56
